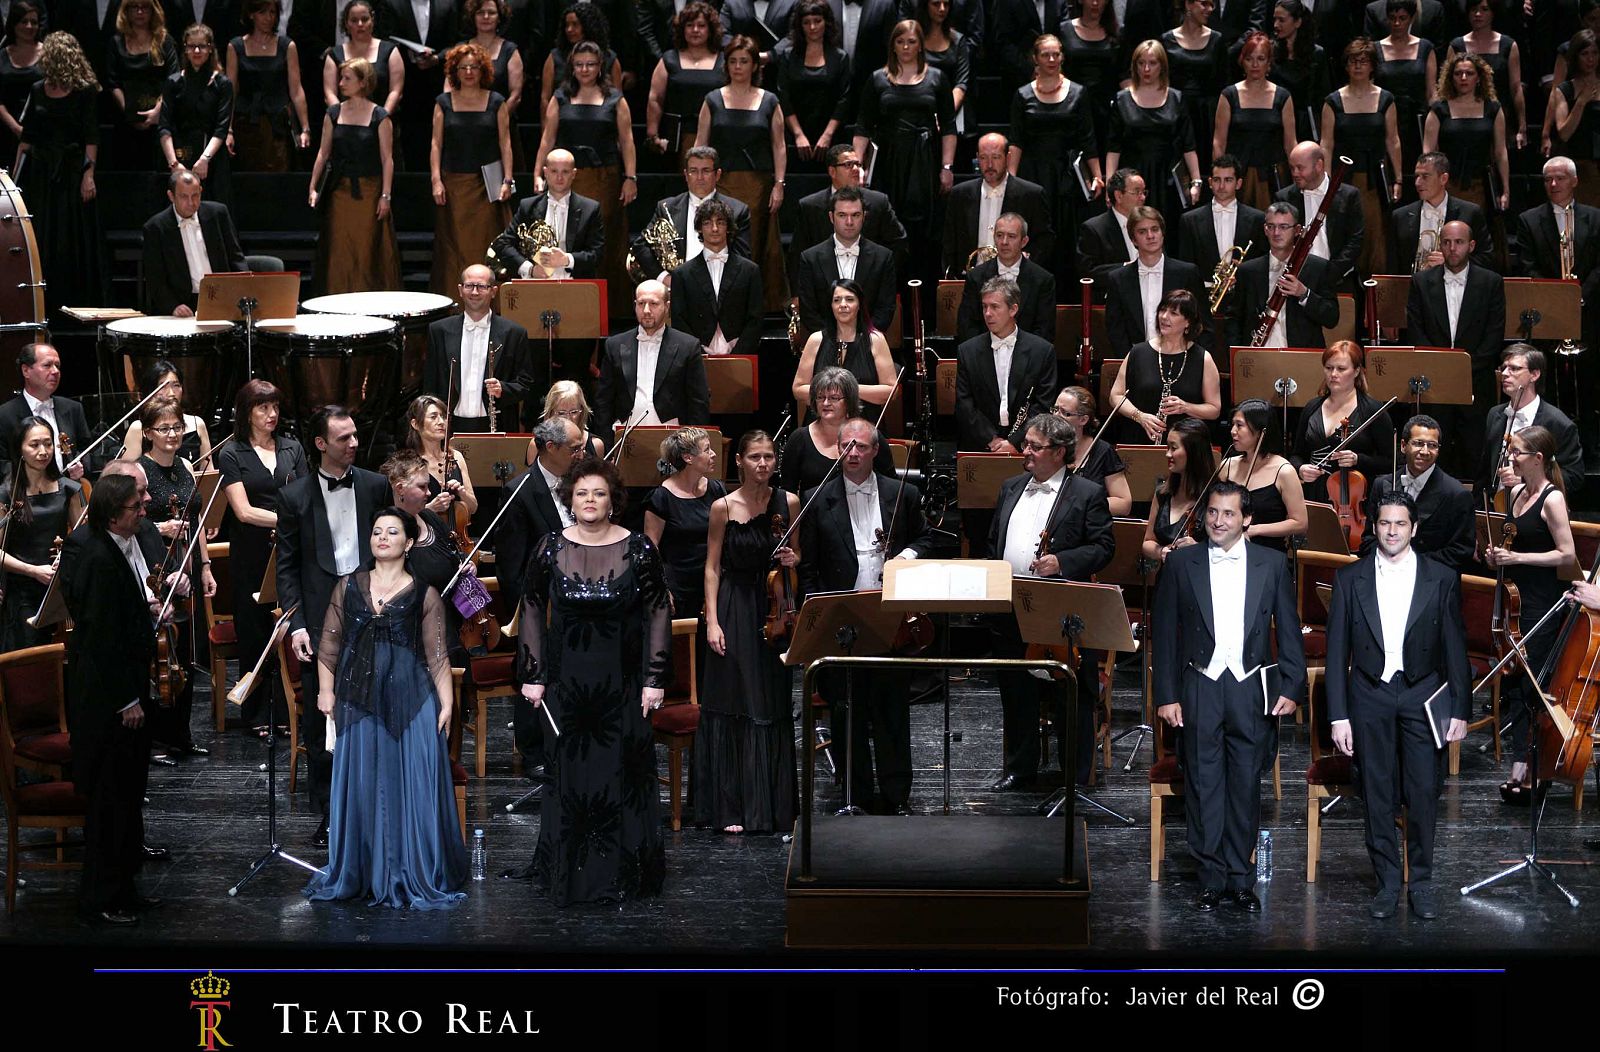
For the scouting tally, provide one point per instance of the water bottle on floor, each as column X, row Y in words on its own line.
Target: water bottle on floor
column 480, row 855
column 1264, row 855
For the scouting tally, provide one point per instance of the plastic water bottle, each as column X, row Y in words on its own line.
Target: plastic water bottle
column 1263, row 855
column 480, row 855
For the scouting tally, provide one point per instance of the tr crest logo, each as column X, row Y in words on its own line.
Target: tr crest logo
column 209, row 991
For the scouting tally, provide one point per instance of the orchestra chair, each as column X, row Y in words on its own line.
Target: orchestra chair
column 675, row 722
column 1317, row 570
column 35, row 725
column 294, row 697
column 222, row 635
column 1166, row 781
column 458, row 772
column 491, row 675
column 1477, row 614
column 40, row 805
column 1330, row 775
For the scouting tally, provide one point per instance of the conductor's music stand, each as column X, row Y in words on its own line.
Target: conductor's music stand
column 844, row 624
column 1421, row 376
column 1089, row 616
column 245, row 296
column 1284, row 377
column 560, row 310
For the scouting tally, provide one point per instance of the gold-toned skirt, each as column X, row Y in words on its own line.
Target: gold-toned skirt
column 1371, row 259
column 1255, row 189
column 604, row 184
column 259, row 146
column 754, row 190
column 1478, row 194
column 357, row 251
column 463, row 228
column 1588, row 192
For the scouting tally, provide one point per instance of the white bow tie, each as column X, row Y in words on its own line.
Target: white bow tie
column 1039, row 487
column 1001, row 345
column 1459, row 280
column 193, row 221
column 1220, row 555
column 1230, row 207
column 1145, row 271
column 868, row 488
column 716, row 257
column 477, row 326
column 994, row 193
column 853, row 250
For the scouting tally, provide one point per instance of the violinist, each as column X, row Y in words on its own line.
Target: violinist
column 1069, row 516
column 1394, row 637
column 1537, row 506
column 1215, row 675
column 1276, row 496
column 861, row 520
column 1522, row 368
column 44, row 508
column 1444, row 522
column 743, row 776
column 1097, row 459
column 449, row 480
column 1190, row 467
column 1342, row 401
column 175, row 510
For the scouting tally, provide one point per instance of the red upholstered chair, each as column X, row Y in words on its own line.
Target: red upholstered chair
column 676, row 721
column 221, row 633
column 42, row 805
column 1477, row 613
column 35, row 727
column 1166, row 780
column 1329, row 774
column 492, row 675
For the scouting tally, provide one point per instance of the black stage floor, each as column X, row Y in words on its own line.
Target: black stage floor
column 725, row 894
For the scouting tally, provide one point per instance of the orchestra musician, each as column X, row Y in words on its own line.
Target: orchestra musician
column 1310, row 305
column 1167, row 376
column 653, row 373
column 574, row 218
column 1219, row 609
column 1395, row 636
column 1134, row 292
column 1443, row 507
column 1522, row 382
column 183, row 244
column 1343, row 399
column 1435, row 206
column 1037, row 284
column 1277, row 499
column 1339, row 240
column 975, row 205
column 1104, row 242
column 860, row 520
column 1046, row 500
column 813, row 224
column 852, row 344
column 1096, row 460
column 40, row 364
column 1190, row 467
column 717, row 294
column 1208, row 230
column 701, row 171
column 464, row 343
column 847, row 254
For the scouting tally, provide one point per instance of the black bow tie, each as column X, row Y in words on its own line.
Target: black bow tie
column 348, row 482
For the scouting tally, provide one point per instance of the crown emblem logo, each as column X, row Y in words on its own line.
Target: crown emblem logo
column 209, row 987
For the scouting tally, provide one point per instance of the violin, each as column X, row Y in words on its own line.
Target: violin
column 1349, row 497
column 783, row 594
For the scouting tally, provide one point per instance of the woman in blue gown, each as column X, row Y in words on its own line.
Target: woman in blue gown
column 393, row 837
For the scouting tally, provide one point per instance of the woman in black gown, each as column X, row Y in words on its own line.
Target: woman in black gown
column 60, row 142
column 264, row 66
column 1190, row 464
column 1407, row 68
column 358, row 251
column 1150, row 131
column 907, row 109
column 486, row 22
column 1095, row 57
column 255, row 466
column 427, row 432
column 583, row 20
column 388, row 69
column 1575, row 114
column 1096, row 460
column 813, row 84
column 1050, row 126
column 1343, row 397
column 196, row 444
column 1198, row 59
column 1467, row 125
column 1255, row 124
column 1532, row 562
column 1501, row 54
column 197, row 114
column 140, row 56
column 949, row 51
column 471, row 128
column 1167, row 380
column 743, row 777
column 1299, row 63
column 813, row 449
column 50, row 509
column 678, row 513
column 744, row 122
column 682, row 78
column 600, row 664
column 1277, row 500
column 589, row 118
column 19, row 71
column 851, row 343
column 1360, row 121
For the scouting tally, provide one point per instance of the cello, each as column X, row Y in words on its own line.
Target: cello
column 1572, row 678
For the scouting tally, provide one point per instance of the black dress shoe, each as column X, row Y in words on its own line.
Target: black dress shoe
column 190, row 750
column 1423, row 903
column 110, row 918
column 1246, row 900
column 158, row 760
column 519, row 873
column 1209, row 899
column 140, row 904
column 1011, row 783
column 902, row 810
column 1384, row 904
column 155, row 852
column 320, row 837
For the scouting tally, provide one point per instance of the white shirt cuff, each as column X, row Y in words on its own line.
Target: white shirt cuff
column 906, row 553
column 526, row 270
column 129, row 705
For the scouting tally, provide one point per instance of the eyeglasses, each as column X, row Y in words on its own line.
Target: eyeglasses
column 1420, row 444
column 198, row 47
column 1281, row 226
column 570, row 414
column 168, row 429
column 476, row 286
column 1037, row 447
column 135, row 505
column 846, row 164
column 1058, row 411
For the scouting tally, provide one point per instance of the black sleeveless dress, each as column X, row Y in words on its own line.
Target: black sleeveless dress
column 30, row 542
column 1539, row 588
column 1153, row 139
column 1407, row 79
column 1363, row 137
column 1146, row 369
column 261, row 115
column 1199, row 75
column 380, row 68
column 1255, row 138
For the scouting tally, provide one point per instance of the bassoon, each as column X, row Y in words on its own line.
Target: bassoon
column 1297, row 256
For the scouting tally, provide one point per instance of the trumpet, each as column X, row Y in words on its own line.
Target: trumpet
column 1569, row 262
column 1427, row 244
column 662, row 237
column 1223, row 277
column 531, row 239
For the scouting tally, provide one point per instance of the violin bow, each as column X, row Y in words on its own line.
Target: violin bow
column 505, row 506
column 124, row 418
column 1322, row 465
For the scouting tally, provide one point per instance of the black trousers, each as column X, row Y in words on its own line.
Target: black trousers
column 881, row 725
column 1224, row 736
column 314, row 732
column 171, row 725
column 113, row 833
column 1022, row 694
column 1397, row 764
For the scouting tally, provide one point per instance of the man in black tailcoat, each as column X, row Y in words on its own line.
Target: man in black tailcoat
column 676, row 393
column 847, row 254
column 458, row 364
column 205, row 229
column 41, row 375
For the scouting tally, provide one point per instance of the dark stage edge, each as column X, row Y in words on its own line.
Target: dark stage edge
column 939, row 882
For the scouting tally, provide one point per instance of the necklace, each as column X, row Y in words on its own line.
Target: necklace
column 379, row 603
column 1161, row 365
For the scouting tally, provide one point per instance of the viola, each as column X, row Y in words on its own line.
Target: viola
column 783, row 594
column 168, row 674
column 1349, row 497
column 1065, row 652
column 1505, row 621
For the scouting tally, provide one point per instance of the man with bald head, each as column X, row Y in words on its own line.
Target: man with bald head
column 651, row 374
column 574, row 218
column 976, row 204
column 476, row 356
column 1339, row 240
column 1461, row 305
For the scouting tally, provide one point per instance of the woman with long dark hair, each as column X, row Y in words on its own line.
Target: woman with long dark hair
column 1276, row 496
column 196, row 442
column 50, row 507
column 1299, row 63
column 949, row 51
column 813, row 82
column 471, row 128
column 140, row 56
column 683, row 76
column 1190, row 464
column 582, row 20
column 851, row 343
column 427, row 422
column 19, row 70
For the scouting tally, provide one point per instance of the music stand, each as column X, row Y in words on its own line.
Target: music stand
column 733, row 382
column 1420, row 375
column 848, row 624
column 493, row 455
column 900, row 452
column 268, row 595
column 1069, row 333
column 561, row 310
column 978, row 477
column 206, row 483
column 1147, row 465
column 1392, row 291
column 1324, row 533
column 947, row 308
column 245, row 296
column 1543, row 309
column 1130, row 568
column 1092, row 617
column 945, row 370
column 642, row 449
